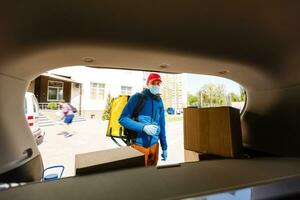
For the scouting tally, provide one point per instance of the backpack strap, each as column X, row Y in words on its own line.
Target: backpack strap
column 139, row 105
column 131, row 135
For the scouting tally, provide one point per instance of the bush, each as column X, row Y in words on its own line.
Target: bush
column 106, row 112
column 52, row 106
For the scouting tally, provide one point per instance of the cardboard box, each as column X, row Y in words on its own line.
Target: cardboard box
column 191, row 156
column 213, row 130
column 108, row 160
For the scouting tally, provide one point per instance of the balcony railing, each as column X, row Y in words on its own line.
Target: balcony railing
column 43, row 106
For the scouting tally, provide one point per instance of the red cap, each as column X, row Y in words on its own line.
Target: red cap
column 153, row 77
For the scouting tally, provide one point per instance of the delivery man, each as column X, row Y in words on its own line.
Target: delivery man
column 149, row 125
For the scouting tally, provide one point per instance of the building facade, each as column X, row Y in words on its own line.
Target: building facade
column 173, row 90
column 52, row 88
column 97, row 84
column 88, row 88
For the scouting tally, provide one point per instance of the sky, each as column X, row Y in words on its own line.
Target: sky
column 195, row 81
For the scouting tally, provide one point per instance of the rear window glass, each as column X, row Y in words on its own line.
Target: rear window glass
column 25, row 106
column 35, row 105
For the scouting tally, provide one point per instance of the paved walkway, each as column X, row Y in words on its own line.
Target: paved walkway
column 60, row 148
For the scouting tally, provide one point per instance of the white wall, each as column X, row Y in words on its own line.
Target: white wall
column 75, row 95
column 113, row 80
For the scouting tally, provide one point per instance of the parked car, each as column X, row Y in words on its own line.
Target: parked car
column 179, row 111
column 171, row 111
column 31, row 108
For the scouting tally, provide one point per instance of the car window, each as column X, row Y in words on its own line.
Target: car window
column 34, row 103
column 25, row 106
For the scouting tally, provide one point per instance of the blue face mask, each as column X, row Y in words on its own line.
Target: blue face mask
column 154, row 89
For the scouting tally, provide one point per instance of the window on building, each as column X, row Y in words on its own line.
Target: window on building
column 97, row 91
column 55, row 91
column 125, row 90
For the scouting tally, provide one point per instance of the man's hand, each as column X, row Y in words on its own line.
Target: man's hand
column 164, row 155
column 150, row 129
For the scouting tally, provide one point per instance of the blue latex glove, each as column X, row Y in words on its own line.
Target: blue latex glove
column 150, row 129
column 164, row 155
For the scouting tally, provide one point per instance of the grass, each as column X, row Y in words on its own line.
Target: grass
column 174, row 118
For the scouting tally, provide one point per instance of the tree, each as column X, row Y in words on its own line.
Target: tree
column 192, row 100
column 243, row 94
column 234, row 97
column 106, row 113
column 219, row 95
column 212, row 95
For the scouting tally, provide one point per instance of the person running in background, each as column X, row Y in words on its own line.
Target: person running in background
column 68, row 115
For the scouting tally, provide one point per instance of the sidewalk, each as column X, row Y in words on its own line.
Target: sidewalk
column 60, row 149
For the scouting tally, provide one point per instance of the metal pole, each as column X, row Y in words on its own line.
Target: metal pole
column 200, row 99
column 210, row 96
column 80, row 97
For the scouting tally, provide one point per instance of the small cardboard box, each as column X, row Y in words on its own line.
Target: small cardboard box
column 108, row 160
column 213, row 131
column 191, row 156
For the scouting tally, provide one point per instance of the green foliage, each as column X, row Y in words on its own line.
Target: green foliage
column 238, row 97
column 52, row 106
column 192, row 100
column 106, row 113
column 234, row 97
column 174, row 118
column 243, row 94
column 212, row 95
